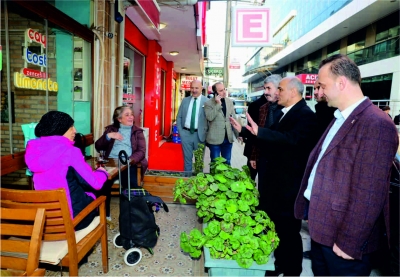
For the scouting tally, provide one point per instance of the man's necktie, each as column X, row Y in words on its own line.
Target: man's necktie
column 193, row 119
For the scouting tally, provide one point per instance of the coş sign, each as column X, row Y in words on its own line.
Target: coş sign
column 250, row 26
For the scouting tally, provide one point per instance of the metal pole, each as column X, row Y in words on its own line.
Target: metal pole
column 10, row 116
column 46, row 26
column 227, row 42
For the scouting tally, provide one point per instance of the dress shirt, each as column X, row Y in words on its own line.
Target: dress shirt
column 285, row 111
column 189, row 113
column 340, row 119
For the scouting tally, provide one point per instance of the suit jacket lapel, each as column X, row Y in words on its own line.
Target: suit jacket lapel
column 292, row 111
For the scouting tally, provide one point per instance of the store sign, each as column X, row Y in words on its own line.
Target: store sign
column 35, row 73
column 308, row 79
column 251, row 26
column 187, row 80
column 22, row 81
column 35, row 36
column 214, row 71
column 36, row 59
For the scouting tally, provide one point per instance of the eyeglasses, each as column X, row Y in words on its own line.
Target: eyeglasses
column 268, row 88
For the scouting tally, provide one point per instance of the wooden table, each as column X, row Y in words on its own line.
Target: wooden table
column 111, row 166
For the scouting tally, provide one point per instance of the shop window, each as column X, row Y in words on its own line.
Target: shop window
column 388, row 27
column 133, row 80
column 356, row 41
column 333, row 48
column 314, row 60
column 81, row 71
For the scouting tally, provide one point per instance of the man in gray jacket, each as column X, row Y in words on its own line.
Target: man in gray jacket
column 192, row 124
column 220, row 135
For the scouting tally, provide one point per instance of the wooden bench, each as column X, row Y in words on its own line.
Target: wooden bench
column 14, row 162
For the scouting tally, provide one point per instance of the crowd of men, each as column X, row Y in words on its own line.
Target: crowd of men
column 331, row 167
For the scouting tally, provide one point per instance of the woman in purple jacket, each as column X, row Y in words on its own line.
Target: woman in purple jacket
column 56, row 163
column 123, row 135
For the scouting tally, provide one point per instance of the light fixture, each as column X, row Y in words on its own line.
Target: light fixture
column 174, row 53
column 183, row 68
column 161, row 25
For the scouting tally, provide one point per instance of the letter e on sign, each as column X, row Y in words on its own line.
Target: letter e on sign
column 251, row 26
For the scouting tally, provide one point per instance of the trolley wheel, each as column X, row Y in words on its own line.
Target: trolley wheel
column 132, row 256
column 117, row 240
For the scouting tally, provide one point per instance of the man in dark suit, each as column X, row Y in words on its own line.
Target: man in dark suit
column 259, row 111
column 345, row 188
column 192, row 129
column 323, row 112
column 290, row 139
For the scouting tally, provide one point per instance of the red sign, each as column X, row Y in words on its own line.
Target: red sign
column 251, row 26
column 36, row 37
column 35, row 73
column 234, row 66
column 151, row 9
column 308, row 79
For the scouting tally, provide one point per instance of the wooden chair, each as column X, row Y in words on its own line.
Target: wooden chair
column 61, row 244
column 21, row 238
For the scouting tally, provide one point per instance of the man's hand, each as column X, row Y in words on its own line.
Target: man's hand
column 235, row 124
column 115, row 135
column 253, row 164
column 253, row 128
column 218, row 99
column 340, row 253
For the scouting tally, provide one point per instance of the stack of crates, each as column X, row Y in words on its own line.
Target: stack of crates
column 175, row 134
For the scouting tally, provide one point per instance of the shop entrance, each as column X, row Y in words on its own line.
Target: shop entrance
column 308, row 95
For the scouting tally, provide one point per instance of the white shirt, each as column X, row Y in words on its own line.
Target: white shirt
column 285, row 111
column 189, row 113
column 340, row 119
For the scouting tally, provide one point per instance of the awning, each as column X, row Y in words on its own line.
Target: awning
column 250, row 77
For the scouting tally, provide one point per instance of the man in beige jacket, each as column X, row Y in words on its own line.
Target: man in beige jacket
column 220, row 133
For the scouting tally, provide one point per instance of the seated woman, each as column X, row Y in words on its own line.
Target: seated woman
column 56, row 163
column 123, row 135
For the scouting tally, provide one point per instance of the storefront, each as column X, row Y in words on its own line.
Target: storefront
column 46, row 66
column 151, row 83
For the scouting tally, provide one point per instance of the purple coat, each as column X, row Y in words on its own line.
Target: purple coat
column 49, row 158
column 351, row 185
column 138, row 143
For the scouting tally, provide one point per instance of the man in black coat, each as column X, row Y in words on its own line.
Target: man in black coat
column 323, row 112
column 291, row 139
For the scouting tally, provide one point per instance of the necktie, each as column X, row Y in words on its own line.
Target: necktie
column 193, row 119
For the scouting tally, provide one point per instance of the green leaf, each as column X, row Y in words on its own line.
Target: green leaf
column 220, row 178
column 238, row 186
column 231, row 206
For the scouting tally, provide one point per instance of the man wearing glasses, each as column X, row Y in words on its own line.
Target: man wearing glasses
column 218, row 110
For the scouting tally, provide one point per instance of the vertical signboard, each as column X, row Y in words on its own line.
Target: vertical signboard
column 251, row 26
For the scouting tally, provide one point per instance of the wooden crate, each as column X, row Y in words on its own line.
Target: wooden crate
column 161, row 186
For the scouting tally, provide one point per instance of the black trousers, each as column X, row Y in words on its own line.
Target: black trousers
column 324, row 262
column 253, row 172
column 289, row 254
column 106, row 189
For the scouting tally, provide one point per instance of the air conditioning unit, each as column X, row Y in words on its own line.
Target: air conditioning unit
column 205, row 52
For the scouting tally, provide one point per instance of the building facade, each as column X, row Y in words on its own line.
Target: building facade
column 306, row 32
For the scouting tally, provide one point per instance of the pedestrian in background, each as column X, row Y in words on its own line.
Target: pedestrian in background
column 218, row 110
column 345, row 188
column 323, row 112
column 192, row 124
column 386, row 109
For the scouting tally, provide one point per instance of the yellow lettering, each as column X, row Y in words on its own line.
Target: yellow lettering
column 21, row 81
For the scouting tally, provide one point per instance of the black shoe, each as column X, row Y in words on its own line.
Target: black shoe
column 278, row 271
column 307, row 255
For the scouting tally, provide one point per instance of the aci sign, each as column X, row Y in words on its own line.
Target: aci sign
column 308, row 79
column 251, row 26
